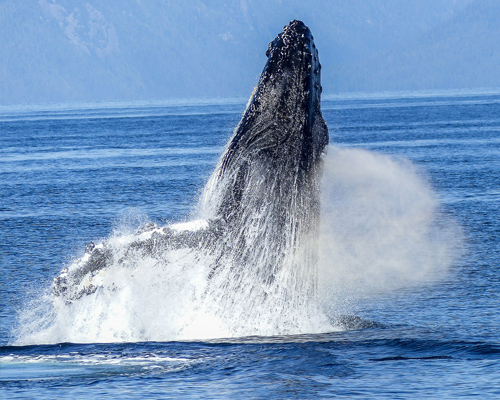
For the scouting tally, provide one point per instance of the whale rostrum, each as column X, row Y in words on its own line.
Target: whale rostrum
column 258, row 216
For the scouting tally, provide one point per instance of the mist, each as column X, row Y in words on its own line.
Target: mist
column 382, row 228
column 78, row 51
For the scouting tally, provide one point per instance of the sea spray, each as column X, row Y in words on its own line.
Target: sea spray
column 248, row 264
column 381, row 229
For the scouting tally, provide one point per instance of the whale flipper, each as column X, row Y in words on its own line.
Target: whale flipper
column 83, row 276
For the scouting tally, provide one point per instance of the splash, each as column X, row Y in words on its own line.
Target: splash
column 381, row 229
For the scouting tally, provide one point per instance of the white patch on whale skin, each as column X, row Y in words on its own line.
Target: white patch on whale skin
column 191, row 226
column 92, row 281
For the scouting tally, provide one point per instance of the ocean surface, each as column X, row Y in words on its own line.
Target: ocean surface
column 410, row 251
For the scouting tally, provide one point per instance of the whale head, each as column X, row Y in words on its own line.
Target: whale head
column 292, row 77
column 282, row 132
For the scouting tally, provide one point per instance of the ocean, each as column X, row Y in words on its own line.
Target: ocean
column 409, row 277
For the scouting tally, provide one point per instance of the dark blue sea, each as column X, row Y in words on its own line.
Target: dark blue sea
column 410, row 252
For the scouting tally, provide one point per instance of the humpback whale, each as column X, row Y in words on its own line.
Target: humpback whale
column 258, row 216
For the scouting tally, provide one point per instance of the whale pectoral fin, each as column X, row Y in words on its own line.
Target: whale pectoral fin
column 173, row 237
column 84, row 277
column 76, row 281
column 100, row 258
column 186, row 235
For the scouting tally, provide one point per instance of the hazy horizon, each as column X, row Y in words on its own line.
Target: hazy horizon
column 64, row 51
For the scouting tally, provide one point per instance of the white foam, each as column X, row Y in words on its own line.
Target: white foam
column 380, row 230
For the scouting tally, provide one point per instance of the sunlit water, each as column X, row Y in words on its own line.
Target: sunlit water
column 408, row 274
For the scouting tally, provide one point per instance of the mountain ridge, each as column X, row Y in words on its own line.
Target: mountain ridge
column 74, row 50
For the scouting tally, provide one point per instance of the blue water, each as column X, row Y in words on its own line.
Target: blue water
column 72, row 174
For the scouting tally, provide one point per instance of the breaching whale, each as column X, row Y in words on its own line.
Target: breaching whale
column 258, row 217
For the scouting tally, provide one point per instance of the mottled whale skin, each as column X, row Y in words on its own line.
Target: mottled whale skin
column 259, row 212
column 282, row 127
